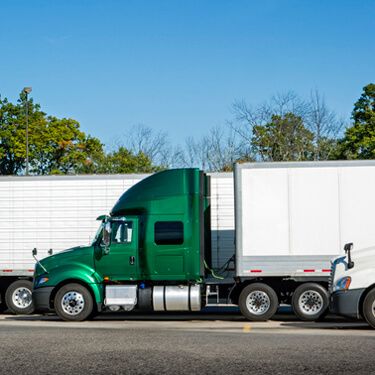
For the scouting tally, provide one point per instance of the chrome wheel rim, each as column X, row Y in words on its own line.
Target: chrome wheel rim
column 258, row 302
column 22, row 297
column 310, row 302
column 373, row 308
column 72, row 303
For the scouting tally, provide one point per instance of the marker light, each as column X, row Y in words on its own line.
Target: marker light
column 41, row 281
column 343, row 283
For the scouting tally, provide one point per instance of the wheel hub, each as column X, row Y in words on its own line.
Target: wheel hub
column 72, row 303
column 310, row 302
column 258, row 302
column 22, row 297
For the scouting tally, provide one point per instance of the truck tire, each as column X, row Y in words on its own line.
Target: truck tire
column 310, row 301
column 369, row 308
column 18, row 297
column 73, row 302
column 258, row 302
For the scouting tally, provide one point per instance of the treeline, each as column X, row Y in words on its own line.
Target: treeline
column 58, row 146
column 285, row 128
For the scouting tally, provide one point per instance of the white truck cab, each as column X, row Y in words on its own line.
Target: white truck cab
column 352, row 284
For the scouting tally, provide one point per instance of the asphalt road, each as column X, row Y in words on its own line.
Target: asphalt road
column 211, row 343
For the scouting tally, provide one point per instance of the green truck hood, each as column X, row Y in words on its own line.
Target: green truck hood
column 83, row 255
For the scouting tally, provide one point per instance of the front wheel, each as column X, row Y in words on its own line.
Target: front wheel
column 73, row 302
column 18, row 297
column 258, row 302
column 369, row 308
column 310, row 301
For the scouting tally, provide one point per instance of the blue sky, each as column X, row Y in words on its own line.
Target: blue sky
column 177, row 66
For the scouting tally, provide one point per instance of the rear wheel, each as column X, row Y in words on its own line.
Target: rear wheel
column 73, row 302
column 369, row 308
column 258, row 302
column 310, row 301
column 18, row 297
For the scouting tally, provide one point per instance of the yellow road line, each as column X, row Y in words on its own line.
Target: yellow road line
column 246, row 328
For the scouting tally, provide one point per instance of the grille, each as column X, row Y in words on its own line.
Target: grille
column 331, row 277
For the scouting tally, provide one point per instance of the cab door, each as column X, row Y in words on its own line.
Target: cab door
column 121, row 263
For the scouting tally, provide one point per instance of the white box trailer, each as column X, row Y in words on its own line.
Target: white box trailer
column 59, row 212
column 293, row 218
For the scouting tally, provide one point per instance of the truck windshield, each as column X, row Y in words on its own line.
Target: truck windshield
column 98, row 233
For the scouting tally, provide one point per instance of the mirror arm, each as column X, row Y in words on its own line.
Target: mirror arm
column 34, row 252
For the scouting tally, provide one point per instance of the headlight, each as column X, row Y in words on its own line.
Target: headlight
column 40, row 281
column 343, row 283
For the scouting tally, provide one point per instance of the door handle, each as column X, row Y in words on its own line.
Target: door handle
column 131, row 260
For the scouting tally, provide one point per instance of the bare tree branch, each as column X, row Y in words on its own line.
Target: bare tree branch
column 155, row 144
column 324, row 124
column 316, row 116
column 216, row 151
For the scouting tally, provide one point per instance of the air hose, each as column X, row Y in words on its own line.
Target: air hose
column 212, row 272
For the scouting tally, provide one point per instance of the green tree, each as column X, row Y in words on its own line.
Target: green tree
column 326, row 149
column 13, row 133
column 124, row 161
column 284, row 138
column 256, row 126
column 55, row 145
column 61, row 148
column 359, row 140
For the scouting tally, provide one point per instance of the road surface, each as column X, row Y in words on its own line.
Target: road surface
column 184, row 344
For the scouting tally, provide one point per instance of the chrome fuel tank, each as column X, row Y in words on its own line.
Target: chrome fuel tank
column 177, row 298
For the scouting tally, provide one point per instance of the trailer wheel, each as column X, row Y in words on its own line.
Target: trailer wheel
column 258, row 302
column 369, row 308
column 310, row 301
column 73, row 302
column 18, row 297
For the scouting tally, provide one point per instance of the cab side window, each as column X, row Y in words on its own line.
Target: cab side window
column 121, row 232
column 169, row 233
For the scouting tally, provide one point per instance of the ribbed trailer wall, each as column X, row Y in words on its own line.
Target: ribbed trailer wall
column 59, row 212
column 222, row 218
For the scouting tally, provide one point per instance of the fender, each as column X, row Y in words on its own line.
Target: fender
column 77, row 271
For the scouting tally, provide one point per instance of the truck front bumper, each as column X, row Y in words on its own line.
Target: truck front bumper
column 41, row 299
column 346, row 303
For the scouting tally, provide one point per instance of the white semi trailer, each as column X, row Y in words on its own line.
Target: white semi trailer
column 53, row 213
column 291, row 220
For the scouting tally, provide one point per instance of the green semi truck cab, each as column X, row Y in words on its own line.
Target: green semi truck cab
column 149, row 253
